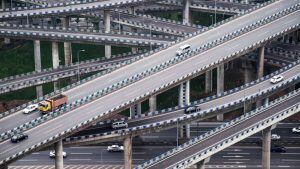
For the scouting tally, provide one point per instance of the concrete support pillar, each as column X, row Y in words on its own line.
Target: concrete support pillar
column 55, row 60
column 38, row 64
column 220, row 85
column 3, row 4
column 247, row 79
column 107, row 30
column 187, row 130
column 152, row 104
column 6, row 40
column 186, row 11
column 67, row 45
column 208, row 81
column 59, row 162
column 135, row 110
column 184, row 99
column 246, row 1
column 128, row 152
column 266, row 146
column 201, row 164
column 181, row 131
column 260, row 65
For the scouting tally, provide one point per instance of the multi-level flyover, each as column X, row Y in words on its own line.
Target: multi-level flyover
column 110, row 103
column 206, row 145
column 78, row 36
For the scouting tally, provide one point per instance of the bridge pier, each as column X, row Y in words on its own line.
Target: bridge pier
column 55, row 60
column 131, row 10
column 128, row 152
column 59, row 161
column 266, row 147
column 208, row 81
column 186, row 12
column 6, row 40
column 107, row 30
column 260, row 68
column 247, row 79
column 201, row 164
column 135, row 110
column 38, row 64
column 67, row 45
column 184, row 99
column 220, row 85
column 152, row 104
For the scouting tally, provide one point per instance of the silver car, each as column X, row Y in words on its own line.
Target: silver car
column 119, row 124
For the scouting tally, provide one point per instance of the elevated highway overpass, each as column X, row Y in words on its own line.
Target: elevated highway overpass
column 162, row 56
column 222, row 137
column 118, row 100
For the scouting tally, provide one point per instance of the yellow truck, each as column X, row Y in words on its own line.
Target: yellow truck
column 53, row 103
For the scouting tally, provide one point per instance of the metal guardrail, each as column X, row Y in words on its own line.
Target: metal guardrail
column 139, row 76
column 203, row 154
column 203, row 113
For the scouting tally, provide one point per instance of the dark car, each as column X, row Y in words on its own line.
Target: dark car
column 18, row 137
column 191, row 109
column 279, row 149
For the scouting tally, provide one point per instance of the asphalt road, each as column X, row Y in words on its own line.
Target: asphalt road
column 110, row 101
column 226, row 133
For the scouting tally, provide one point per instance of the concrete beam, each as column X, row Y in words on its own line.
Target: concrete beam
column 37, row 64
column 67, row 45
column 55, row 60
column 266, row 146
column 59, row 161
column 186, row 12
column 128, row 152
column 220, row 85
column 208, row 81
column 107, row 30
column 152, row 104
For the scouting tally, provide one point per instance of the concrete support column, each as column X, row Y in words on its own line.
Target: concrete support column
column 184, row 99
column 260, row 65
column 135, row 110
column 220, row 85
column 187, row 130
column 107, row 30
column 247, row 79
column 55, row 60
column 266, row 146
column 3, row 4
column 186, row 12
column 208, row 81
column 38, row 64
column 59, row 162
column 201, row 164
column 152, row 104
column 181, row 135
column 128, row 152
column 6, row 40
column 67, row 45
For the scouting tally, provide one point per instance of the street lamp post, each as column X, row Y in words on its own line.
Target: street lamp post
column 150, row 38
column 78, row 52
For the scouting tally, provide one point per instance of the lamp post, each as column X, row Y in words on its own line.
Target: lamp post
column 78, row 52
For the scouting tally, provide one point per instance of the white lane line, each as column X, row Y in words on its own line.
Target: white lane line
column 81, row 153
column 238, row 153
column 35, row 153
column 294, row 137
column 233, row 162
column 139, row 153
column 290, row 160
column 235, row 150
column 232, row 156
column 240, row 159
column 28, row 160
column 139, row 159
column 283, row 166
column 290, row 153
column 9, row 149
column 74, row 159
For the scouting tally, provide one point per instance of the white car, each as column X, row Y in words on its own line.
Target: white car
column 119, row 124
column 276, row 79
column 115, row 148
column 30, row 108
column 296, row 129
column 52, row 154
column 275, row 137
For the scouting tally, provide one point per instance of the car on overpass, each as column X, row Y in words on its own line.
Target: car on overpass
column 52, row 154
column 191, row 109
column 183, row 49
column 276, row 79
column 296, row 129
column 276, row 148
column 30, row 108
column 19, row 137
column 119, row 124
column 275, row 137
column 115, row 148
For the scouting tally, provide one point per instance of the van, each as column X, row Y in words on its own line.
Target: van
column 119, row 124
column 183, row 49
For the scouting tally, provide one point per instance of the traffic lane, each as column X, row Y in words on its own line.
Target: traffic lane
column 224, row 134
column 225, row 4
column 169, row 53
column 10, row 122
column 147, row 84
column 92, row 155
